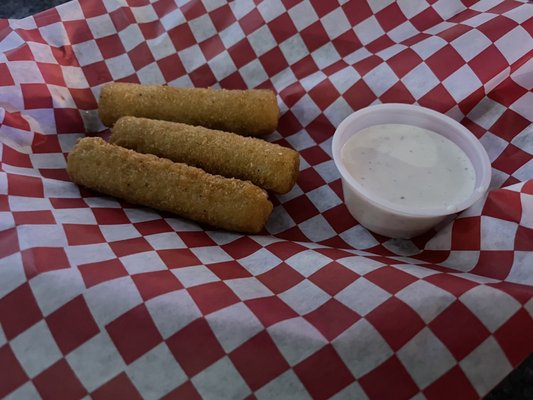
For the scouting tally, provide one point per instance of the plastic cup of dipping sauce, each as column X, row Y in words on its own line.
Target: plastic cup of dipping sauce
column 405, row 168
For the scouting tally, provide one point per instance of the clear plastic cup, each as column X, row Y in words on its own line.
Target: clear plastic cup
column 383, row 217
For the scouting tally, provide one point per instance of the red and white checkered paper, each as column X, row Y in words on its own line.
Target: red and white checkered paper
column 104, row 299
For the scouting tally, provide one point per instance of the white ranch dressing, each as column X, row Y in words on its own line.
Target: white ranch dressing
column 409, row 166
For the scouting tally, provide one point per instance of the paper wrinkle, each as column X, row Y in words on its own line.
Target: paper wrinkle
column 286, row 386
column 156, row 373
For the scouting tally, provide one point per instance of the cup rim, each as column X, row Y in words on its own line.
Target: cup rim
column 484, row 177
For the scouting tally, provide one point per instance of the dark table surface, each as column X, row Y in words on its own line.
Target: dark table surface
column 517, row 386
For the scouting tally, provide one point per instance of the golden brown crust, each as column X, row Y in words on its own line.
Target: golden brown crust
column 251, row 112
column 268, row 165
column 151, row 181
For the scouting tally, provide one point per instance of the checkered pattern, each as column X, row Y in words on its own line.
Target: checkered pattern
column 101, row 298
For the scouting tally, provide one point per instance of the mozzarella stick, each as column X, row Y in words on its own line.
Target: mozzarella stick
column 156, row 182
column 268, row 165
column 251, row 112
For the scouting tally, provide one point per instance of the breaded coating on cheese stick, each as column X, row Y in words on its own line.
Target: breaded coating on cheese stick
column 268, row 165
column 156, row 182
column 251, row 112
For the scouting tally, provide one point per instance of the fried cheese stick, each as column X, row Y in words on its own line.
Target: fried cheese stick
column 271, row 166
column 151, row 181
column 251, row 112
